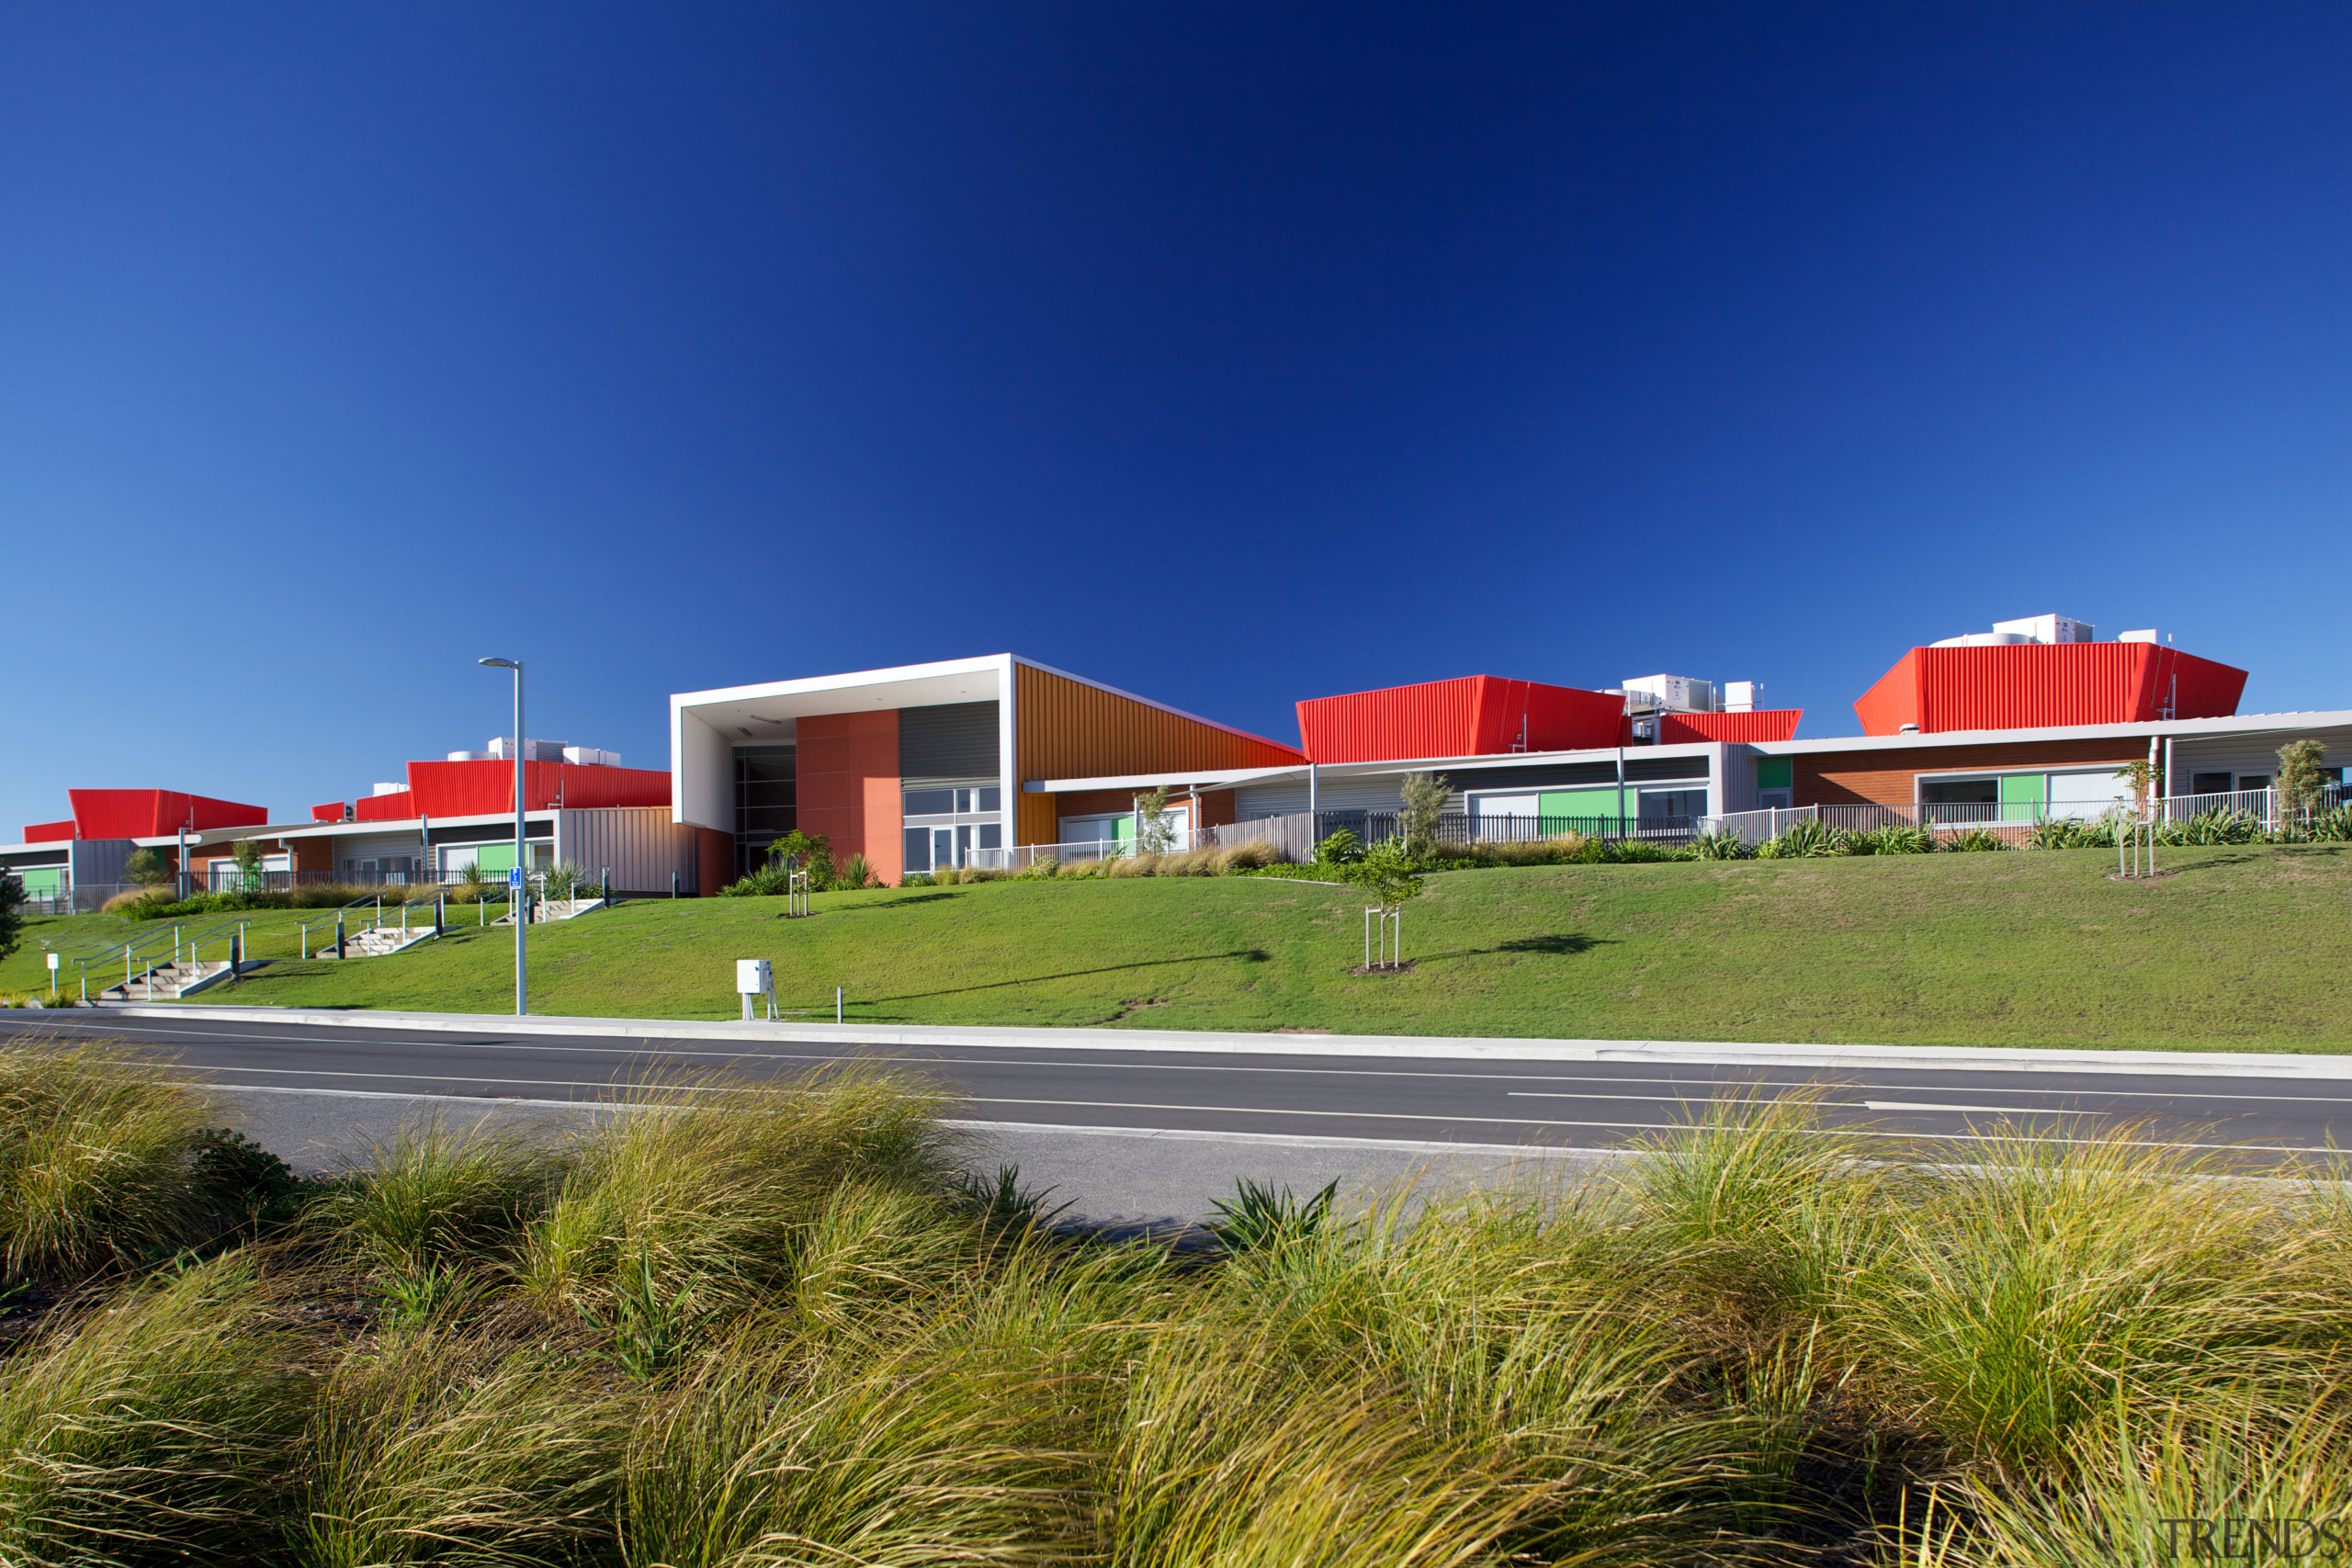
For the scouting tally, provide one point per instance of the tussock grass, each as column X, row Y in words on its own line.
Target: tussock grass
column 443, row 1444
column 152, row 1426
column 98, row 1159
column 740, row 1325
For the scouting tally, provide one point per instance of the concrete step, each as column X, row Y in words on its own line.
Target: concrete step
column 168, row 982
column 383, row 940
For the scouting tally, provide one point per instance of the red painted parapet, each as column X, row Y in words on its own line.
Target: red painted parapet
column 48, row 832
column 2046, row 686
column 149, row 812
column 1759, row 724
column 398, row 806
column 1476, row 716
column 333, row 811
column 485, row 787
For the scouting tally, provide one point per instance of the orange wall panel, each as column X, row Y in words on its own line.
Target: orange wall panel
column 885, row 842
column 848, row 768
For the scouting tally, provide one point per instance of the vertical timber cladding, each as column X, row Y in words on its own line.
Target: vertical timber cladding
column 1890, row 777
column 1068, row 730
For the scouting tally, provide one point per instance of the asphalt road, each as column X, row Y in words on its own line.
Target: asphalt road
column 1277, row 1096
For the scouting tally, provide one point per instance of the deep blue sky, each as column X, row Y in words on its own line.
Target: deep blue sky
column 1229, row 354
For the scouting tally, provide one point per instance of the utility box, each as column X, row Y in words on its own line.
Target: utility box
column 753, row 977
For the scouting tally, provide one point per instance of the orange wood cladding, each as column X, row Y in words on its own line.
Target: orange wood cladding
column 1066, row 730
column 1882, row 778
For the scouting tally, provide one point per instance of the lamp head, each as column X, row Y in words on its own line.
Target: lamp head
column 499, row 663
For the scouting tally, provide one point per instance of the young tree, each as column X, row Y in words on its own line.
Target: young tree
column 1425, row 797
column 12, row 914
column 249, row 877
column 146, row 868
column 2301, row 775
column 2141, row 778
column 1155, row 832
column 812, row 852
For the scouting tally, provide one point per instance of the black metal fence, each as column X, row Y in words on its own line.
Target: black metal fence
column 1457, row 831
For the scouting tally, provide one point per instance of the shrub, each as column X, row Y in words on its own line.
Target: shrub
column 1342, row 848
column 1895, row 838
column 2333, row 825
column 1974, row 840
column 12, row 914
column 770, row 881
column 856, row 874
column 1803, row 839
column 1721, row 845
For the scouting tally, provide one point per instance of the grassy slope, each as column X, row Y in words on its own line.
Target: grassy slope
column 2242, row 949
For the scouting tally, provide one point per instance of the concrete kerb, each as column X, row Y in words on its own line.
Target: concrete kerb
column 1832, row 1058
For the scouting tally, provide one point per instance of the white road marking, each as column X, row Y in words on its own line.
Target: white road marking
column 723, row 1053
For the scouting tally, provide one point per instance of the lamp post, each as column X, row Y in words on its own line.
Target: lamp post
column 518, row 879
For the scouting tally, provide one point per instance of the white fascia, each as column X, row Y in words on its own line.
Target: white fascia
column 1452, row 765
column 2238, row 724
column 702, row 749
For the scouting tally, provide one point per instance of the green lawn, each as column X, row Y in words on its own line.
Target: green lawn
column 2237, row 948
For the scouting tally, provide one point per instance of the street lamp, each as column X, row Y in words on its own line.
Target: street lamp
column 519, row 879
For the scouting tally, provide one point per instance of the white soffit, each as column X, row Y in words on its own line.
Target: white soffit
column 753, row 715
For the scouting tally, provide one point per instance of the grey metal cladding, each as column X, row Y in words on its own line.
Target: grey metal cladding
column 1556, row 775
column 949, row 741
column 1649, row 768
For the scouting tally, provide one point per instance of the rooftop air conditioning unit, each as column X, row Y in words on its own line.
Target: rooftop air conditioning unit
column 592, row 757
column 2049, row 629
column 1681, row 693
column 502, row 750
column 1739, row 697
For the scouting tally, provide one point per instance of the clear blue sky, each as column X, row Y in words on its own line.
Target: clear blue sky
column 1230, row 354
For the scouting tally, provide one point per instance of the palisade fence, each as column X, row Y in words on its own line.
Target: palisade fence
column 1755, row 827
column 1293, row 837
column 2015, row 820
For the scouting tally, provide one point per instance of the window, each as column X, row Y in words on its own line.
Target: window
column 2254, row 780
column 960, row 802
column 1961, row 791
column 1657, row 804
column 2208, row 783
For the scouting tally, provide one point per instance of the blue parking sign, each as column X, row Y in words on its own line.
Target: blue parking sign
column 514, row 877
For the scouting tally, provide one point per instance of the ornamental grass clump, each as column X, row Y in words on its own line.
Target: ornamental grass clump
column 152, row 1427
column 722, row 1191
column 99, row 1161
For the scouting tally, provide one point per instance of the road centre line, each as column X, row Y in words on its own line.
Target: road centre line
column 1650, row 1127
column 1818, row 1081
